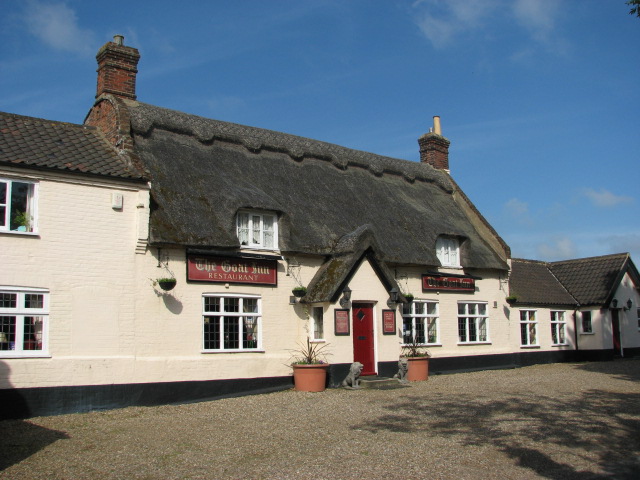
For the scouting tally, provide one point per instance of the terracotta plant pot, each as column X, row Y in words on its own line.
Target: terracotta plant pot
column 310, row 378
column 418, row 370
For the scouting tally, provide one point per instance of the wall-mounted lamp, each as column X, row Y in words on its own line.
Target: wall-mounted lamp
column 393, row 298
column 345, row 301
column 614, row 303
column 629, row 304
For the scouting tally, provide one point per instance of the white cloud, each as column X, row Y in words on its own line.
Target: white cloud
column 519, row 211
column 57, row 26
column 440, row 21
column 537, row 16
column 623, row 243
column 605, row 198
column 560, row 248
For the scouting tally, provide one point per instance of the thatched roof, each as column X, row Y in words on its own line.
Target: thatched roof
column 203, row 171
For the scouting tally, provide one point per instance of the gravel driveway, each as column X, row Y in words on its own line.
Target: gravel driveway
column 559, row 421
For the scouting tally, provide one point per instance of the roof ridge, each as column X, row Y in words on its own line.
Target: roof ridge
column 624, row 255
column 146, row 117
column 46, row 120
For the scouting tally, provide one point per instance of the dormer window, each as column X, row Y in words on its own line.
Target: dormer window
column 258, row 230
column 448, row 251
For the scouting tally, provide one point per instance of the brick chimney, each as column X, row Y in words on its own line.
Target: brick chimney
column 434, row 148
column 117, row 69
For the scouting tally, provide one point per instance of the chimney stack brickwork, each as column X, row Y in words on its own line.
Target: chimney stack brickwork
column 434, row 150
column 117, row 69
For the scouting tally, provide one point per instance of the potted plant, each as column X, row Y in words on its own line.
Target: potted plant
column 409, row 297
column 22, row 220
column 310, row 367
column 511, row 299
column 299, row 292
column 166, row 283
column 417, row 361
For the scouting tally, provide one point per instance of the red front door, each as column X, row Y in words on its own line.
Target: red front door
column 363, row 337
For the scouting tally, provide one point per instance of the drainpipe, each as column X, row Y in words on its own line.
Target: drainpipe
column 575, row 330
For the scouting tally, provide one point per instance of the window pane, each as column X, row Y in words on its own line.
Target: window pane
column 255, row 239
column 461, row 308
column 432, row 308
column 7, row 333
column 243, row 228
column 482, row 330
column 231, row 304
column 231, row 332
column 406, row 309
column 532, row 334
column 432, row 331
column 32, row 333
column 211, row 304
column 20, row 214
column 482, row 309
column 268, row 231
column 406, row 330
column 250, row 339
column 211, row 333
column 32, row 300
column 8, row 300
column 419, row 335
column 3, row 203
column 419, row 306
column 462, row 329
column 473, row 334
column 250, row 305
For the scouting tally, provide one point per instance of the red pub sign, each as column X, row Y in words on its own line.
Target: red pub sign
column 450, row 283
column 232, row 270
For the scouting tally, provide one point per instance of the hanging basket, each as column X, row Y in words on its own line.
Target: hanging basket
column 167, row 283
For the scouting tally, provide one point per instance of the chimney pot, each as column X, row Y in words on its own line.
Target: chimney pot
column 118, row 39
column 436, row 125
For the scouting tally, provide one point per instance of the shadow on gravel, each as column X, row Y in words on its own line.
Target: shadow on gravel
column 622, row 369
column 19, row 439
column 537, row 431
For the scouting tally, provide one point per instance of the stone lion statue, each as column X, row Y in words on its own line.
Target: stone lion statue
column 403, row 366
column 353, row 379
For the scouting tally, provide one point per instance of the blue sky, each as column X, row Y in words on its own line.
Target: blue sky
column 539, row 98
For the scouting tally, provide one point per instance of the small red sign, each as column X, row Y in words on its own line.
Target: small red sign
column 341, row 321
column 454, row 284
column 232, row 270
column 388, row 322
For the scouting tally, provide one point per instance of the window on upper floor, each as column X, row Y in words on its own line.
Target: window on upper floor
column 17, row 206
column 24, row 321
column 448, row 251
column 257, row 230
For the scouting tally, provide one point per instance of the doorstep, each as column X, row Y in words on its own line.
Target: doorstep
column 381, row 383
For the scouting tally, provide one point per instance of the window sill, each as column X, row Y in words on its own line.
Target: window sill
column 559, row 344
column 423, row 345
column 462, row 344
column 319, row 340
column 587, row 333
column 530, row 346
column 232, row 351
column 4, row 355
column 15, row 232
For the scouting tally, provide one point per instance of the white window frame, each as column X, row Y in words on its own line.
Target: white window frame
column 20, row 312
column 209, row 314
column 473, row 321
column 424, row 322
column 316, row 326
column 558, row 327
column 582, row 319
column 529, row 326
column 31, row 207
column 448, row 251
column 256, row 224
column 638, row 314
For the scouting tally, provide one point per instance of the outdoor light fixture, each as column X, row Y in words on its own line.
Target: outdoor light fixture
column 629, row 304
column 345, row 301
column 614, row 303
column 393, row 298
